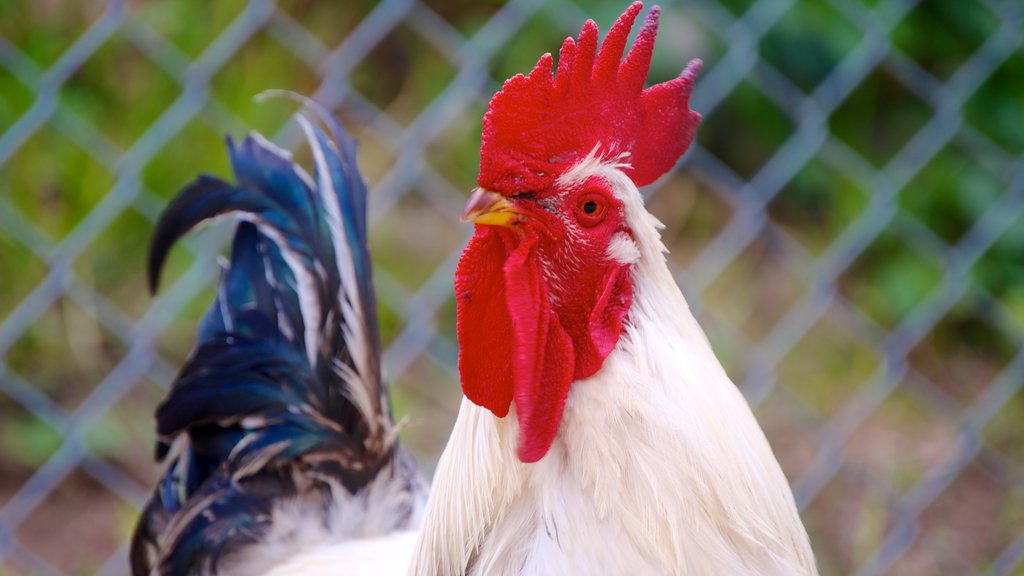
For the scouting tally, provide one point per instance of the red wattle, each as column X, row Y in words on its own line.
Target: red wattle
column 542, row 368
column 483, row 325
column 514, row 345
column 607, row 316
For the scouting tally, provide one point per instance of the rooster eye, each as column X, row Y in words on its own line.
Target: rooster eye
column 590, row 210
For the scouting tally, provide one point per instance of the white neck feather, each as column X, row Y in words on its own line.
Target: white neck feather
column 659, row 466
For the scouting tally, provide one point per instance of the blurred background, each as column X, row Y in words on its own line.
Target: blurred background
column 849, row 229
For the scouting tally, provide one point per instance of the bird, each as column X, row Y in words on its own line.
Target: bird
column 597, row 434
column 277, row 435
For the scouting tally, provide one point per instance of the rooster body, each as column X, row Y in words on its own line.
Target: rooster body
column 599, row 434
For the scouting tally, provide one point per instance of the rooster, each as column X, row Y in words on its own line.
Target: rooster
column 598, row 433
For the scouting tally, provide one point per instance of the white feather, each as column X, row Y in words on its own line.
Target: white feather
column 623, row 249
column 383, row 556
column 370, row 532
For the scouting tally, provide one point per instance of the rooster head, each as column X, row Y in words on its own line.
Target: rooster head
column 545, row 285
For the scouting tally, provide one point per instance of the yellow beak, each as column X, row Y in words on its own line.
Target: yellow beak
column 486, row 207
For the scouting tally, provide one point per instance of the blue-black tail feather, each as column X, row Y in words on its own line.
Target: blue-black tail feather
column 281, row 397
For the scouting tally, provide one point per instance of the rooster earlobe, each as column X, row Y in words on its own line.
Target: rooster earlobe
column 605, row 323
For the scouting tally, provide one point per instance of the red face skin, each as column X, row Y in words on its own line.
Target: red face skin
column 540, row 302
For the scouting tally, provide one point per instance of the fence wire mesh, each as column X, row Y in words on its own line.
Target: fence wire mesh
column 849, row 228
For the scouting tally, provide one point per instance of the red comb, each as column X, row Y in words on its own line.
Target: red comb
column 539, row 125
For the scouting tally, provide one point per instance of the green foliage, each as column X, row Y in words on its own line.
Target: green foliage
column 880, row 117
column 941, row 34
column 951, row 193
column 819, row 203
column 26, row 443
column 798, row 47
column 997, row 108
column 890, row 279
column 1001, row 270
column 746, row 106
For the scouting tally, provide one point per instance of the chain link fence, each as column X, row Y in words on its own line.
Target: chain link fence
column 849, row 229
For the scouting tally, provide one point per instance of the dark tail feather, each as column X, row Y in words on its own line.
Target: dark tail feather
column 285, row 377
